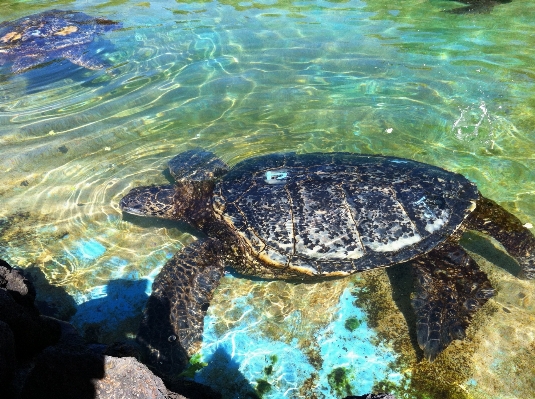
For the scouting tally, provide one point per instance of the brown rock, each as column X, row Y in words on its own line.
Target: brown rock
column 125, row 377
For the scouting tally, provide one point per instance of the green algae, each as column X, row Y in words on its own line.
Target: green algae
column 262, row 386
column 352, row 324
column 339, row 381
column 195, row 364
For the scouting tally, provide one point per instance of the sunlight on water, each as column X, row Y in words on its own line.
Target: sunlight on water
column 249, row 78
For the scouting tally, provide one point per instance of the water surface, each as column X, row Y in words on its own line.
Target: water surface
column 248, row 78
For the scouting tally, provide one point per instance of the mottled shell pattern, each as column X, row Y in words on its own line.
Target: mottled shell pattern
column 39, row 38
column 334, row 214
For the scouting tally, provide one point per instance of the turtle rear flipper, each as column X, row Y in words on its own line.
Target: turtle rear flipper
column 173, row 320
column 490, row 218
column 450, row 288
column 196, row 165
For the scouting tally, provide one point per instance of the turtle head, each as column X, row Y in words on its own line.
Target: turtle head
column 157, row 201
column 187, row 201
column 195, row 172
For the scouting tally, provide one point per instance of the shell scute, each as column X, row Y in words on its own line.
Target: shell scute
column 323, row 223
column 267, row 210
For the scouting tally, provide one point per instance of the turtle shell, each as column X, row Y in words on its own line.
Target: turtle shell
column 338, row 213
column 39, row 38
column 50, row 30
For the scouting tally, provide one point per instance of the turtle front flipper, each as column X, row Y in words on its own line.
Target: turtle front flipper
column 490, row 218
column 79, row 56
column 172, row 325
column 22, row 64
column 196, row 165
column 450, row 288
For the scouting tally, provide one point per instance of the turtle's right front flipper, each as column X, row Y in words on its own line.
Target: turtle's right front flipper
column 173, row 320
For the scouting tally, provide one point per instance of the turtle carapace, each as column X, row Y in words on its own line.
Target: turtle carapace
column 36, row 39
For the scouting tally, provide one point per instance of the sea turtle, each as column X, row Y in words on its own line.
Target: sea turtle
column 320, row 215
column 39, row 38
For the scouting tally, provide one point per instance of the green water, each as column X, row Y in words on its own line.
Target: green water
column 248, row 78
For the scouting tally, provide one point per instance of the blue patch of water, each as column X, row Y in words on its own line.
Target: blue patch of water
column 118, row 266
column 110, row 306
column 151, row 276
column 252, row 354
column 89, row 249
column 349, row 343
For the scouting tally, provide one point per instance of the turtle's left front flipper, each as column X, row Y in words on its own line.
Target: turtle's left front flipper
column 173, row 320
column 450, row 288
column 79, row 56
column 490, row 218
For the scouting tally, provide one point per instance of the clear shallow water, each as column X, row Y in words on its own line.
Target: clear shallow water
column 247, row 78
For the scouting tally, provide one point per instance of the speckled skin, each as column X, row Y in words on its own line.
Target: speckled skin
column 178, row 303
column 314, row 216
column 39, row 38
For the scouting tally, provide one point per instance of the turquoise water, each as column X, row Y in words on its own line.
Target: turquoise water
column 247, row 78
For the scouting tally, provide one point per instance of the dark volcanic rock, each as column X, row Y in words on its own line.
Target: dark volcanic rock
column 84, row 371
column 41, row 357
column 7, row 354
column 31, row 331
column 17, row 285
column 65, row 372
